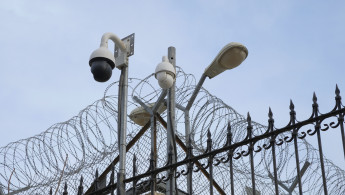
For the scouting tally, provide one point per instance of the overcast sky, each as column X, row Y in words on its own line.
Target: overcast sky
column 295, row 48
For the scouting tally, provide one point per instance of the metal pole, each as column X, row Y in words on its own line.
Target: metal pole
column 171, row 184
column 188, row 143
column 122, row 119
column 153, row 153
column 196, row 92
column 187, row 124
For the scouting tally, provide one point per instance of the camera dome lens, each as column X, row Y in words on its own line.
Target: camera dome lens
column 101, row 70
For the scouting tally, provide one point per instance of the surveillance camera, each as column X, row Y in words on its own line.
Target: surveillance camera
column 165, row 73
column 102, row 62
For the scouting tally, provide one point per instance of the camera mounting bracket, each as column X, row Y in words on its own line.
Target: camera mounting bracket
column 121, row 58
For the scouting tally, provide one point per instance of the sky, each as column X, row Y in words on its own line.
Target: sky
column 295, row 48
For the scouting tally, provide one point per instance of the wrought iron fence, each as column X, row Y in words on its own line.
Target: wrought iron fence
column 269, row 141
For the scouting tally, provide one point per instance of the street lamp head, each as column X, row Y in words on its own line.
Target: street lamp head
column 232, row 55
column 102, row 62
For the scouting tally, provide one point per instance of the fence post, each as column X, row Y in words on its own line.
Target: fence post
column 273, row 143
column 317, row 129
column 294, row 136
column 251, row 148
column 230, row 155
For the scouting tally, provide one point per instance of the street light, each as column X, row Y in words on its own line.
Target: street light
column 232, row 55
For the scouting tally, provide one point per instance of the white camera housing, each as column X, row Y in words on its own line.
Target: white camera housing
column 165, row 73
column 103, row 53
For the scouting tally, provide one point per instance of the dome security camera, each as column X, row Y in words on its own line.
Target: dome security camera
column 165, row 73
column 102, row 62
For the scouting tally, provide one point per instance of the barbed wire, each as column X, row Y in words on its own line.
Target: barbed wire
column 90, row 141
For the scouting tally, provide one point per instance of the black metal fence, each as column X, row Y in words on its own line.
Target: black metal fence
column 156, row 177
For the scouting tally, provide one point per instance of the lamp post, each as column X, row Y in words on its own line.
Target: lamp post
column 102, row 62
column 229, row 57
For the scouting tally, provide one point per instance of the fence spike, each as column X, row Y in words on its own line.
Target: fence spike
column 292, row 106
column 249, row 127
column 337, row 97
column 81, row 180
column 51, row 191
column 292, row 113
column 229, row 135
column 96, row 180
column 270, row 120
column 315, row 105
column 249, row 119
column 65, row 189
column 229, row 127
column 314, row 98
column 270, row 114
column 337, row 91
column 80, row 188
column 209, row 141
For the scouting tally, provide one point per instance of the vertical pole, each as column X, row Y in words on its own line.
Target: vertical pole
column 171, row 125
column 190, row 166
column 153, row 153
column 210, row 161
column 294, row 134
column 341, row 117
column 112, row 178
column 273, row 143
column 317, row 128
column 134, row 174
column 274, row 165
column 187, row 123
column 251, row 148
column 230, row 155
column 155, row 139
column 188, row 143
column 122, row 119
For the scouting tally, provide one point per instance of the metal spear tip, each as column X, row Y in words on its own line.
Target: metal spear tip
column 292, row 106
column 96, row 173
column 209, row 133
column 337, row 91
column 270, row 114
column 314, row 98
column 229, row 127
column 249, row 119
